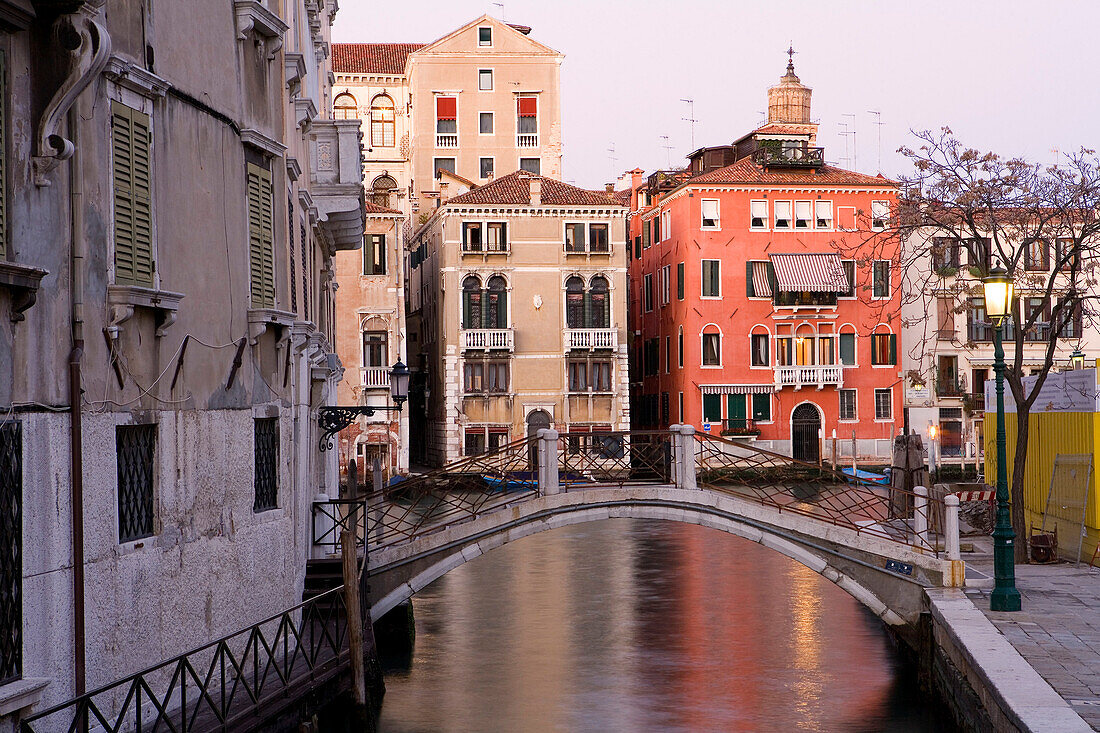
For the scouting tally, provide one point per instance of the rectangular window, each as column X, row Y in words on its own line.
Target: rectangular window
column 978, row 253
column 826, row 350
column 712, row 408
column 782, row 214
column 531, row 165
column 850, row 273
column 485, row 36
column 880, row 274
column 712, row 349
column 135, row 447
column 759, row 349
column 11, row 548
column 261, row 239
column 443, row 164
column 472, row 236
column 485, row 80
column 475, row 442
column 784, row 351
column 712, row 277
column 496, row 376
column 574, row 237
column 884, row 404
column 374, row 349
column 680, row 406
column 945, row 253
column 638, row 247
column 589, row 376
column 486, row 167
column 1067, row 254
column 485, row 123
column 762, row 407
column 668, row 354
column 473, row 377
column 374, row 254
column 880, row 215
column 884, row 349
column 666, row 275
column 680, row 348
column 485, row 377
column 945, row 318
column 1035, row 256
column 597, row 238
column 709, row 209
column 645, row 235
column 656, row 221
column 802, row 214
column 680, row 281
column 496, row 236
column 847, row 404
column 131, row 156
column 666, row 224
column 759, row 215
column 647, row 293
column 446, row 121
column 824, row 214
column 266, row 476
column 664, row 408
column 848, row 349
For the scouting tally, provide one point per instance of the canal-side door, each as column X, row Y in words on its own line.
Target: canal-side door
column 536, row 421
column 805, row 427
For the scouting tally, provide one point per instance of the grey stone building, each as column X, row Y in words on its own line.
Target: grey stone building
column 172, row 194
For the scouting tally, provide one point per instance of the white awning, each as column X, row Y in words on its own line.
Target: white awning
column 818, row 273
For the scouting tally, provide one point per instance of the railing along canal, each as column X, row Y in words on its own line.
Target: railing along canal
column 225, row 685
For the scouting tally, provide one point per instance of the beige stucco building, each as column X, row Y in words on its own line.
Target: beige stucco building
column 520, row 321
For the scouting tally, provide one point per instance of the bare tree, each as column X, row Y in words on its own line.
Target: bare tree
column 1042, row 224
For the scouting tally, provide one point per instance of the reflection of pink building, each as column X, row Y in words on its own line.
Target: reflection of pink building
column 763, row 303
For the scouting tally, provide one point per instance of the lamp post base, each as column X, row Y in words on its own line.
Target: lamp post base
column 1004, row 599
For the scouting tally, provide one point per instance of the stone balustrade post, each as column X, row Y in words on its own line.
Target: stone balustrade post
column 920, row 515
column 687, row 458
column 951, row 527
column 674, row 439
column 548, row 461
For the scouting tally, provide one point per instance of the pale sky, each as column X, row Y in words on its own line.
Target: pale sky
column 1015, row 77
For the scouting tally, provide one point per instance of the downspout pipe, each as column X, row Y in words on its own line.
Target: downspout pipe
column 76, row 357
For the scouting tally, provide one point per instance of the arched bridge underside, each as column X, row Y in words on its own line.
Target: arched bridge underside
column 887, row 577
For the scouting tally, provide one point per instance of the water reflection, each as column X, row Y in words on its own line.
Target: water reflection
column 629, row 625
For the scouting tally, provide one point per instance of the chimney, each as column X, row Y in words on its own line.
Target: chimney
column 609, row 187
column 536, row 191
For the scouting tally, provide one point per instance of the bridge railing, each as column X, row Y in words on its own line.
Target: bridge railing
column 614, row 457
column 220, row 685
column 820, row 492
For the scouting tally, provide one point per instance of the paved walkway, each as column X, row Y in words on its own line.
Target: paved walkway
column 1058, row 628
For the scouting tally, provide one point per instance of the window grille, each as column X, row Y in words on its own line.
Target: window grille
column 267, row 464
column 135, row 447
column 11, row 552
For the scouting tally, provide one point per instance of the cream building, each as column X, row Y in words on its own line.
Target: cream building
column 522, row 315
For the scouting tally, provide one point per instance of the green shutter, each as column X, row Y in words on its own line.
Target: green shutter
column 750, row 291
column 848, row 348
column 712, row 408
column 761, row 407
column 735, row 410
column 893, row 348
column 680, row 281
column 261, row 237
column 133, row 210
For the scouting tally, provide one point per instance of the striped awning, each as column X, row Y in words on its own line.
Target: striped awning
column 737, row 388
column 761, row 284
column 817, row 273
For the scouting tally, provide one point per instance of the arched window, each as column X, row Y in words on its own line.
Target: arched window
column 599, row 303
column 712, row 345
column 381, row 122
column 804, row 343
column 574, row 302
column 346, row 107
column 381, row 190
column 496, row 314
column 471, row 302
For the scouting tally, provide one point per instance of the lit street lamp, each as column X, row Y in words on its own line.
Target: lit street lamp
column 333, row 419
column 1077, row 359
column 998, row 306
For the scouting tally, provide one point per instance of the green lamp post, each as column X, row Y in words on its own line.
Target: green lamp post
column 998, row 306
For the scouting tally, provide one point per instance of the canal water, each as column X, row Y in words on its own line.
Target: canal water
column 639, row 625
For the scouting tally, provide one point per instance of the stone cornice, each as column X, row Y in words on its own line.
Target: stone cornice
column 131, row 76
column 255, row 138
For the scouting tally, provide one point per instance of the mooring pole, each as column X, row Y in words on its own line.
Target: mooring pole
column 351, row 601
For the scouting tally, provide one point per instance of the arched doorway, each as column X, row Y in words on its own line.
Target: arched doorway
column 805, row 429
column 536, row 421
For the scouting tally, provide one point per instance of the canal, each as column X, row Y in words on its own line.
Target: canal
column 632, row 625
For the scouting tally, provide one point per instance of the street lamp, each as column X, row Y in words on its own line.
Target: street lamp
column 998, row 306
column 1077, row 359
column 332, row 419
column 932, row 429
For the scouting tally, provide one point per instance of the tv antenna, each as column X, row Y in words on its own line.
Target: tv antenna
column 878, row 123
column 852, row 132
column 844, row 134
column 668, row 149
column 691, row 118
column 611, row 158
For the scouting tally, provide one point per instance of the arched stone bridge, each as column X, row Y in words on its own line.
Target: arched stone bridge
column 882, row 546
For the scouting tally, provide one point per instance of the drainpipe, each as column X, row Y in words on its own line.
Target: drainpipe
column 76, row 356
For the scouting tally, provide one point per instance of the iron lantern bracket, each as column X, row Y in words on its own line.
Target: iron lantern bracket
column 334, row 418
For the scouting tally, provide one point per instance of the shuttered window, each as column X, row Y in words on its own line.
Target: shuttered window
column 261, row 239
column 133, row 215
column 3, row 156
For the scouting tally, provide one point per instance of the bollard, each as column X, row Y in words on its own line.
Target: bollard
column 951, row 526
column 687, row 458
column 920, row 515
column 548, row 461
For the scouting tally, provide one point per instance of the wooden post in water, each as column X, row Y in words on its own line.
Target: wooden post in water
column 348, row 544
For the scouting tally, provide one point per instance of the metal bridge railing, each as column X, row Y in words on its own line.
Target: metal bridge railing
column 221, row 685
column 618, row 457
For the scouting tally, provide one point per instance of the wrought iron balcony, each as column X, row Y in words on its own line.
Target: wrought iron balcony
column 824, row 375
column 446, row 140
column 375, row 377
column 950, row 387
column 660, row 181
column 527, row 140
column 488, row 338
column 592, row 338
column 800, row 157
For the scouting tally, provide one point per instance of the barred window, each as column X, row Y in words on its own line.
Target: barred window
column 884, row 404
column 847, row 404
column 135, row 448
column 11, row 552
column 266, row 480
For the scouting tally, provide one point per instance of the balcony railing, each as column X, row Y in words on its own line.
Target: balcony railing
column 488, row 338
column 592, row 338
column 486, row 248
column 527, row 141
column 976, row 401
column 809, row 376
column 375, row 377
column 735, row 426
column 800, row 157
column 446, row 140
column 667, row 180
column 948, row 387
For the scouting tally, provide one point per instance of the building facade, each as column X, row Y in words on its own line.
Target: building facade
column 763, row 305
column 166, row 326
column 521, row 315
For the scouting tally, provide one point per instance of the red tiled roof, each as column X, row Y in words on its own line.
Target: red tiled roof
column 623, row 197
column 746, row 171
column 515, row 188
column 778, row 128
column 371, row 208
column 371, row 58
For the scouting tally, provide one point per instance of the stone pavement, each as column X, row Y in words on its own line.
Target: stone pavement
column 1058, row 628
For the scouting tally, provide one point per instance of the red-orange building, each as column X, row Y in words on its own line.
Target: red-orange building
column 763, row 303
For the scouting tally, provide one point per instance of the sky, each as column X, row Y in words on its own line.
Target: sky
column 1014, row 77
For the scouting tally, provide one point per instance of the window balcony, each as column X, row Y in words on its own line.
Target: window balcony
column 797, row 157
column 527, row 141
column 592, row 338
column 446, row 140
column 488, row 338
column 950, row 387
column 375, row 377
column 824, row 375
